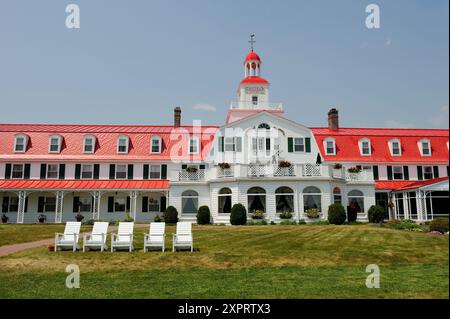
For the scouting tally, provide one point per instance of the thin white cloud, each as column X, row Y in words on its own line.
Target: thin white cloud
column 398, row 124
column 440, row 119
column 205, row 107
column 388, row 42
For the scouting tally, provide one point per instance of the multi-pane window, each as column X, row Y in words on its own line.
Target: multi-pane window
column 85, row 204
column 89, row 144
column 156, row 145
column 155, row 171
column 365, row 147
column 13, row 204
column 255, row 100
column 20, row 144
column 55, row 144
column 396, row 150
column 50, row 204
column 122, row 145
column 428, row 172
column 193, row 145
column 17, row 171
column 397, row 172
column 426, row 148
column 229, row 144
column 87, row 171
column 52, row 171
column 121, row 171
column 329, row 147
column 153, row 204
column 120, row 204
column 299, row 144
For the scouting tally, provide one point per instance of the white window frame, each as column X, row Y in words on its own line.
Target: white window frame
column 83, row 170
column 150, row 171
column 94, row 141
column 48, row 170
column 158, row 200
column 12, row 171
column 46, row 210
column 52, row 137
column 125, row 204
column 294, row 144
column 25, row 143
column 126, row 171
column 401, row 172
column 325, row 145
column 431, row 170
column 391, row 147
column 361, row 149
column 10, row 204
column 85, row 198
column 197, row 145
column 127, row 144
column 154, row 139
column 420, row 144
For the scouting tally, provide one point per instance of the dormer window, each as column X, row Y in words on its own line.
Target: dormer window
column 122, row 145
column 395, row 147
column 20, row 144
column 193, row 145
column 155, row 147
column 364, row 147
column 54, row 144
column 425, row 147
column 89, row 144
column 330, row 146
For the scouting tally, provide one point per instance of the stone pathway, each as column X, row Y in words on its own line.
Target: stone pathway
column 11, row 249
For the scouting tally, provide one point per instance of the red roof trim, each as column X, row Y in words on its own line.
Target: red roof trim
column 254, row 80
column 84, row 184
column 405, row 185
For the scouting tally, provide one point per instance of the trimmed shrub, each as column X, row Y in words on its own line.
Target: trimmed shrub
column 286, row 215
column 203, row 215
column 302, row 222
column 352, row 214
column 238, row 215
column 128, row 218
column 88, row 222
column 170, row 215
column 439, row 224
column 336, row 214
column 377, row 214
column 158, row 219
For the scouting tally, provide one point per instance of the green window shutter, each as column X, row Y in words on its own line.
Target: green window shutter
column 130, row 171
column 419, row 173
column 128, row 204
column 76, row 204
column 112, row 171
column 41, row 204
column 43, row 174
column 307, row 144
column 110, row 204
column 146, row 171
column 5, row 204
column 25, row 210
column 96, row 171
column 144, row 204
column 376, row 175
column 163, row 204
column 8, row 171
column 389, row 172
column 62, row 171
column 405, row 173
column 77, row 171
column 202, row 166
column 435, row 171
column 238, row 144
column 290, row 145
column 163, row 171
column 26, row 173
column 184, row 166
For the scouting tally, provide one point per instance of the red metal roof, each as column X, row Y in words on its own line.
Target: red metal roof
column 254, row 80
column 347, row 148
column 84, row 184
column 252, row 56
column 174, row 141
column 404, row 185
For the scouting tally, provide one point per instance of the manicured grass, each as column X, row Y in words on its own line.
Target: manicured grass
column 15, row 234
column 244, row 262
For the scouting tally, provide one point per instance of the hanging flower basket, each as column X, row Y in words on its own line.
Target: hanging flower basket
column 313, row 213
column 191, row 169
column 224, row 165
column 337, row 166
column 258, row 214
column 42, row 218
column 354, row 170
column 286, row 215
column 284, row 164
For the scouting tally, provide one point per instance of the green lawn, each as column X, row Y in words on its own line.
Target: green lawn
column 243, row 262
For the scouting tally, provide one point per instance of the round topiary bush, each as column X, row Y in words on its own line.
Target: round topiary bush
column 377, row 214
column 336, row 214
column 203, row 215
column 170, row 215
column 439, row 224
column 352, row 214
column 238, row 215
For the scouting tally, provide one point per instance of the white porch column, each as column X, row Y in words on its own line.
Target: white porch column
column 406, row 209
column 96, row 205
column 133, row 203
column 59, row 206
column 21, row 209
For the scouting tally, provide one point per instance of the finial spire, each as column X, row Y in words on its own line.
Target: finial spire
column 251, row 41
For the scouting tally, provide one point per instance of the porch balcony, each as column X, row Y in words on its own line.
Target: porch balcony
column 184, row 175
column 272, row 170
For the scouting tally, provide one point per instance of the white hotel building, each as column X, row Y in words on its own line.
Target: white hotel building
column 105, row 172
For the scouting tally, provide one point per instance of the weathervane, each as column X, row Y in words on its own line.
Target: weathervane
column 251, row 41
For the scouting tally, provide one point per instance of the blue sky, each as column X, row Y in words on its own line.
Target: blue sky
column 131, row 62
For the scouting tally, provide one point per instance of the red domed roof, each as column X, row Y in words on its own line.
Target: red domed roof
column 254, row 80
column 252, row 56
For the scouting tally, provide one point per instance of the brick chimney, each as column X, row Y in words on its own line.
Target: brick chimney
column 177, row 117
column 333, row 119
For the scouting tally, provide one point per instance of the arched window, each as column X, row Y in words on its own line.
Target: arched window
column 155, row 147
column 312, row 198
column 356, row 200
column 189, row 202
column 225, row 200
column 89, row 144
column 264, row 126
column 122, row 144
column 54, row 144
column 337, row 196
column 284, row 199
column 256, row 199
column 20, row 143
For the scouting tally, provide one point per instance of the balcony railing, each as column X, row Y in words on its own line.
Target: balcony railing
column 362, row 176
column 225, row 172
column 184, row 175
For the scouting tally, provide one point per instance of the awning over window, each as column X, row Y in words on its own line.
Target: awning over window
column 408, row 185
column 83, row 184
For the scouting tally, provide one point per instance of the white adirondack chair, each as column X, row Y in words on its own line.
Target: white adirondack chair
column 124, row 237
column 156, row 236
column 183, row 237
column 96, row 239
column 70, row 236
